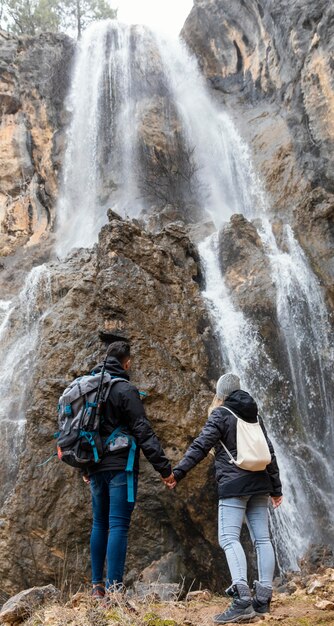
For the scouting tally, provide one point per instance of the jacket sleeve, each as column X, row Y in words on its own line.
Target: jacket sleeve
column 140, row 427
column 209, row 436
column 272, row 468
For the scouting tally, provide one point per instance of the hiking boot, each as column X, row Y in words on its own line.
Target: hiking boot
column 241, row 609
column 98, row 592
column 261, row 599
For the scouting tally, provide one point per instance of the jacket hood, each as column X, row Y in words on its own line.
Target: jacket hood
column 241, row 403
column 114, row 368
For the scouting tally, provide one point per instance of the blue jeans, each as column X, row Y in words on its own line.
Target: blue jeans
column 111, row 521
column 231, row 514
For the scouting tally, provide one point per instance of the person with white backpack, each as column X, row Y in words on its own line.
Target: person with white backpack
column 248, row 476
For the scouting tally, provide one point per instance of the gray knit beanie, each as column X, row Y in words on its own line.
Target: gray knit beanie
column 227, row 384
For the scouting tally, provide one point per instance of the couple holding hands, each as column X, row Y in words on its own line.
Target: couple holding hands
column 246, row 472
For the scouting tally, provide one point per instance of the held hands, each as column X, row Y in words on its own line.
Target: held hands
column 276, row 501
column 170, row 481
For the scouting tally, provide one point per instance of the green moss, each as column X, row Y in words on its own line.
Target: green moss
column 152, row 619
column 112, row 615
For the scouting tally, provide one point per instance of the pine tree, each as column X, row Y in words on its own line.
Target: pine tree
column 82, row 12
column 31, row 17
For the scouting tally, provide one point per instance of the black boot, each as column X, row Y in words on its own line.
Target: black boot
column 262, row 598
column 241, row 609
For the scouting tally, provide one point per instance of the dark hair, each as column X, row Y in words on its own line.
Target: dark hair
column 119, row 349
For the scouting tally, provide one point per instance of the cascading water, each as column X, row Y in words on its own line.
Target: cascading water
column 19, row 332
column 306, row 336
column 224, row 155
column 101, row 155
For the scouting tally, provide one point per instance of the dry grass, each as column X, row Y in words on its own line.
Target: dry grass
column 81, row 610
column 301, row 608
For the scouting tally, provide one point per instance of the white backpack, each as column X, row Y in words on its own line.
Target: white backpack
column 253, row 452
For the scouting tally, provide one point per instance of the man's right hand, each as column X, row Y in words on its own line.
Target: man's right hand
column 86, row 479
column 170, row 481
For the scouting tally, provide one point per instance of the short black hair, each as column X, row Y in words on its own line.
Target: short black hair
column 119, row 349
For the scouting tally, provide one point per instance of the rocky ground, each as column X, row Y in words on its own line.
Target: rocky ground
column 302, row 601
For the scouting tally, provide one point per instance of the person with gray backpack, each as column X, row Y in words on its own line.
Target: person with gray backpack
column 247, row 475
column 103, row 427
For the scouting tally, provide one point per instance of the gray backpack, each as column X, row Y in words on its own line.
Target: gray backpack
column 79, row 442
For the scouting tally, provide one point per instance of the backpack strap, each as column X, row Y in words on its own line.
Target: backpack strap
column 130, row 476
column 232, row 459
column 113, row 380
column 130, row 462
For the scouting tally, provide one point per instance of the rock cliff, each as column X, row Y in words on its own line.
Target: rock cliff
column 34, row 78
column 271, row 63
column 148, row 286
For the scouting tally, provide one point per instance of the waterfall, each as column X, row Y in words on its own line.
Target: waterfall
column 100, row 159
column 232, row 186
column 19, row 332
column 117, row 70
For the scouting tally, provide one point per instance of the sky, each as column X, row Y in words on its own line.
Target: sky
column 165, row 15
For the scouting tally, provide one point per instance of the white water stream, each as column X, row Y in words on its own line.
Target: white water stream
column 19, row 332
column 117, row 69
column 101, row 157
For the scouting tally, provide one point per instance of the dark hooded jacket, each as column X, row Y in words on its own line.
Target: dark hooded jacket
column 124, row 407
column 222, row 426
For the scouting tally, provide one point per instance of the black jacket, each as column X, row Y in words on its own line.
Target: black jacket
column 124, row 407
column 222, row 425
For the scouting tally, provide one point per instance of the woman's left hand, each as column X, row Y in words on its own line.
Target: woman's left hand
column 276, row 501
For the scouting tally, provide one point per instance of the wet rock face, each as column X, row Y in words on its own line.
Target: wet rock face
column 314, row 216
column 276, row 50
column 146, row 285
column 272, row 66
column 34, row 78
column 246, row 269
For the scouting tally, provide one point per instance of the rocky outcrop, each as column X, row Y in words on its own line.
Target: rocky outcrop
column 245, row 264
column 147, row 286
column 246, row 269
column 34, row 79
column 20, row 607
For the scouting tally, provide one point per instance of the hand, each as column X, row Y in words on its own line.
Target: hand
column 276, row 501
column 170, row 481
column 86, row 479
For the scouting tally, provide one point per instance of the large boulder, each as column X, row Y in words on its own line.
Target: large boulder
column 20, row 607
column 146, row 286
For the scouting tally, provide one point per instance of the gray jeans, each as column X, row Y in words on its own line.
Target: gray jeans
column 231, row 514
